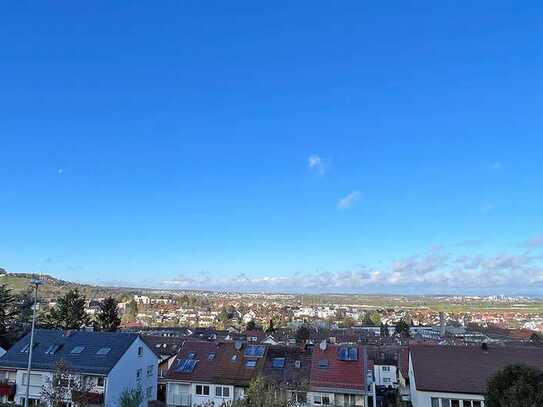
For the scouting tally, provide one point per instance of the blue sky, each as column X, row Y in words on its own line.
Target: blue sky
column 315, row 146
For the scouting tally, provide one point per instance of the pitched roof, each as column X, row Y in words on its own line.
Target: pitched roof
column 336, row 373
column 87, row 360
column 287, row 371
column 232, row 364
column 205, row 367
column 403, row 362
column 466, row 369
column 163, row 346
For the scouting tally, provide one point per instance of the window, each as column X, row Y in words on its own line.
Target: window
column 138, row 373
column 140, row 351
column 435, row 402
column 386, row 379
column 445, row 403
column 321, row 400
column 297, row 364
column 278, row 363
column 150, row 370
column 76, row 350
column 476, row 403
column 211, row 356
column 51, row 350
column 191, row 355
column 323, row 364
column 25, row 350
column 298, row 397
column 386, row 368
column 222, row 391
column 149, row 392
column 100, row 382
column 455, row 403
column 103, row 351
column 250, row 363
column 202, row 390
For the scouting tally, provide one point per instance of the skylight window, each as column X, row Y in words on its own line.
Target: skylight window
column 256, row 351
column 51, row 350
column 77, row 350
column 250, row 363
column 27, row 346
column 323, row 364
column 347, row 353
column 211, row 356
column 191, row 355
column 103, row 351
column 278, row 363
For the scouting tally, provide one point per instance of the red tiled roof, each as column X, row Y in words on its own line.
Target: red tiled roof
column 339, row 374
column 204, row 371
column 461, row 369
column 234, row 371
column 403, row 362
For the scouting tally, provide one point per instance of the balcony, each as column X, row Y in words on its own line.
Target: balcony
column 7, row 388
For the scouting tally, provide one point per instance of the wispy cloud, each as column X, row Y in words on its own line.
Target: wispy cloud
column 348, row 201
column 496, row 165
column 436, row 271
column 316, row 163
column 536, row 241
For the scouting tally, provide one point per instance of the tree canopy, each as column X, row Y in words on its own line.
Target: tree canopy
column 69, row 312
column 108, row 315
column 515, row 386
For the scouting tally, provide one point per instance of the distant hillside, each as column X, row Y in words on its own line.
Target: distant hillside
column 53, row 287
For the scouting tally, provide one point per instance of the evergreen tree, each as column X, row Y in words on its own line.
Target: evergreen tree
column 515, row 386
column 402, row 329
column 108, row 316
column 8, row 313
column 302, row 334
column 69, row 312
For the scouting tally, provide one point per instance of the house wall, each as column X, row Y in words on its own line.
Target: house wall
column 184, row 394
column 2, row 351
column 124, row 374
column 384, row 377
column 424, row 398
column 37, row 380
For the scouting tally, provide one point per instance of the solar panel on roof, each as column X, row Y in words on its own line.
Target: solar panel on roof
column 51, row 350
column 186, row 365
column 256, row 351
column 347, row 353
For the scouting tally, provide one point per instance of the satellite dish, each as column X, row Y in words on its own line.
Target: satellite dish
column 322, row 345
column 238, row 345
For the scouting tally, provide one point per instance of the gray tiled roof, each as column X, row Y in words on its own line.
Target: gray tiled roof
column 87, row 361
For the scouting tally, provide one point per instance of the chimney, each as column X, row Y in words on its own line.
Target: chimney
column 323, row 345
column 442, row 325
column 484, row 347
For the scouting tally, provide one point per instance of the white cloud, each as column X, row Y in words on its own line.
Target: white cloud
column 315, row 163
column 60, row 171
column 497, row 165
column 349, row 200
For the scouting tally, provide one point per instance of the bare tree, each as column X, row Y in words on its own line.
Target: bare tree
column 131, row 397
column 65, row 385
